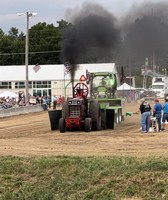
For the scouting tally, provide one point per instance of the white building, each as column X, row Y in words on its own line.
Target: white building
column 159, row 85
column 48, row 80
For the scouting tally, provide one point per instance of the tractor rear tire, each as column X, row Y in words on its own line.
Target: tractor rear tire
column 65, row 110
column 88, row 124
column 94, row 114
column 62, row 125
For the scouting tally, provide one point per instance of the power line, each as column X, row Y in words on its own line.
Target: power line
column 38, row 52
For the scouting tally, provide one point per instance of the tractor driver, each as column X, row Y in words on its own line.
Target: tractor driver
column 79, row 92
column 103, row 83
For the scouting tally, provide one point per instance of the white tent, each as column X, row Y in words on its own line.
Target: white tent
column 127, row 91
column 125, row 86
column 8, row 94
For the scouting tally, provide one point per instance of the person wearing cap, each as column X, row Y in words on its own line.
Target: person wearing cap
column 165, row 113
column 157, row 112
column 145, row 109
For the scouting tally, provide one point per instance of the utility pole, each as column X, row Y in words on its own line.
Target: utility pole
column 28, row 14
column 27, row 59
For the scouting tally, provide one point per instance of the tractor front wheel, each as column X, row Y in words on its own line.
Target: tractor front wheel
column 88, row 124
column 62, row 125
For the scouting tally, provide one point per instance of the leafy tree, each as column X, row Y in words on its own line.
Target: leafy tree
column 1, row 33
column 44, row 43
column 13, row 33
column 11, row 46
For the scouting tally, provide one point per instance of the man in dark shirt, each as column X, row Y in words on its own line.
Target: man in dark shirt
column 145, row 109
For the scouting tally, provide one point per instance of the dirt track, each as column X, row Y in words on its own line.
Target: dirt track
column 31, row 135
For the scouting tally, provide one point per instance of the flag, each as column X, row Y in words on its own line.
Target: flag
column 36, row 68
column 67, row 68
column 122, row 77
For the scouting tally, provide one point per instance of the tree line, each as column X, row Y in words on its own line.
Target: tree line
column 44, row 44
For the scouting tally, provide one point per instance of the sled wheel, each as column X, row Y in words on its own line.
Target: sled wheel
column 116, row 117
column 119, row 116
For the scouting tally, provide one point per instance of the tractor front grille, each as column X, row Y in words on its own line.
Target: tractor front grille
column 74, row 110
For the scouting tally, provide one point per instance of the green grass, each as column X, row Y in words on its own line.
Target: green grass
column 75, row 178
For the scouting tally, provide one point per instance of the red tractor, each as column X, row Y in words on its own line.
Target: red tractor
column 75, row 111
column 78, row 113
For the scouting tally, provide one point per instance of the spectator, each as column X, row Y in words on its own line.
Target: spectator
column 54, row 102
column 62, row 100
column 48, row 101
column 43, row 103
column 59, row 100
column 7, row 102
column 157, row 112
column 165, row 113
column 37, row 100
column 21, row 101
column 145, row 109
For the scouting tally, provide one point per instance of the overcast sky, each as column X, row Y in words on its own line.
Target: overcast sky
column 51, row 11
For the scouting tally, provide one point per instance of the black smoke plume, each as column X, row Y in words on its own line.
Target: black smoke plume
column 144, row 30
column 91, row 38
column 95, row 35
